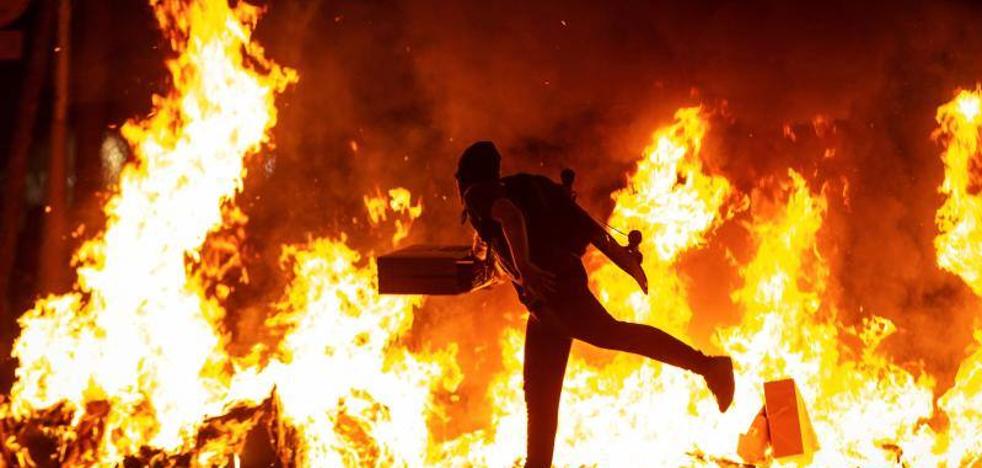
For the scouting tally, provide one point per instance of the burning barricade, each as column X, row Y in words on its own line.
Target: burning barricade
column 133, row 366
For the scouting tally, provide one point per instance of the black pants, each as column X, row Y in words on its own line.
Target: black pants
column 555, row 322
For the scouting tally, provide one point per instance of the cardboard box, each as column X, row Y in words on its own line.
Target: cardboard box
column 431, row 269
column 752, row 445
column 788, row 426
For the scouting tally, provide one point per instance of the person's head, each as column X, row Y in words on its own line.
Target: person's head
column 480, row 162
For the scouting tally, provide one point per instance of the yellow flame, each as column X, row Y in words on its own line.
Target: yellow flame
column 135, row 356
column 866, row 411
column 669, row 197
column 959, row 250
column 399, row 201
column 674, row 204
column 860, row 405
column 376, row 206
column 142, row 333
column 355, row 397
column 138, row 332
column 968, row 106
column 960, row 217
column 615, row 414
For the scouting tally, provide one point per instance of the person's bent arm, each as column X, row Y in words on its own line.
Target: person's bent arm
column 516, row 234
column 617, row 253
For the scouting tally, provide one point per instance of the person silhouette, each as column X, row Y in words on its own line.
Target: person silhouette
column 536, row 235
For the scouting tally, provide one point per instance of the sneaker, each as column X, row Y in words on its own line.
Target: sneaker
column 719, row 379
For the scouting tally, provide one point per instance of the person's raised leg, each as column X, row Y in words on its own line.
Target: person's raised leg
column 546, row 353
column 587, row 320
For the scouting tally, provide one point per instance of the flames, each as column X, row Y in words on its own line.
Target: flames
column 139, row 339
column 959, row 247
column 135, row 357
column 134, row 365
column 399, row 201
column 674, row 204
column 866, row 410
column 959, row 222
column 353, row 398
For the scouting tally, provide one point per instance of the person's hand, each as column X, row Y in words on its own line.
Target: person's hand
column 537, row 281
column 636, row 271
column 630, row 262
column 479, row 248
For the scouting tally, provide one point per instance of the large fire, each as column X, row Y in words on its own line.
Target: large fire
column 133, row 365
column 959, row 252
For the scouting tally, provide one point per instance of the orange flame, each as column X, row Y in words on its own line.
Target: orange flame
column 861, row 405
column 135, row 358
column 399, row 201
column 960, row 217
column 615, row 414
column 959, row 249
column 864, row 408
column 675, row 205
column 355, row 396
column 138, row 332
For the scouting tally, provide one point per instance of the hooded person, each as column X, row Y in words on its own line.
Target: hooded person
column 537, row 234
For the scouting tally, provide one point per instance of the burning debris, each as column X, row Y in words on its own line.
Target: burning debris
column 133, row 367
column 781, row 425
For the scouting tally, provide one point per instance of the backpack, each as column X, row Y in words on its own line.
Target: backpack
column 556, row 225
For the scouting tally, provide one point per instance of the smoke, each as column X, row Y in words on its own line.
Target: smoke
column 844, row 92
